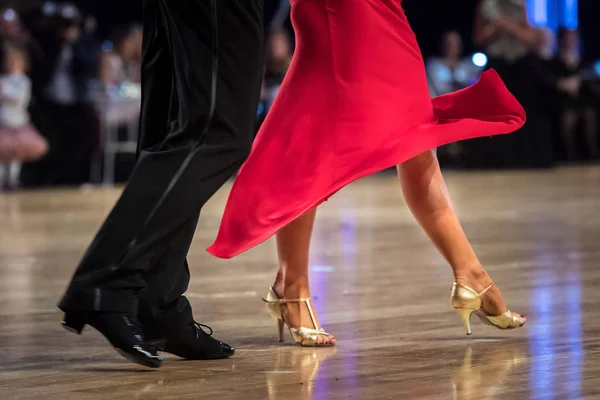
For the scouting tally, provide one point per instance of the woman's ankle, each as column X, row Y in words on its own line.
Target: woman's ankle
column 292, row 288
column 475, row 277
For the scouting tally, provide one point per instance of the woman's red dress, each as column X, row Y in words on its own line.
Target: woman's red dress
column 355, row 101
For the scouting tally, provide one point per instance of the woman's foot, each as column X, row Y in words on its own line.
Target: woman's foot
column 298, row 314
column 475, row 292
column 478, row 279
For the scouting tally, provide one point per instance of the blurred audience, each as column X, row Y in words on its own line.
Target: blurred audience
column 575, row 100
column 19, row 140
column 76, row 82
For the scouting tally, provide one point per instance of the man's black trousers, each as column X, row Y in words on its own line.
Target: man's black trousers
column 201, row 77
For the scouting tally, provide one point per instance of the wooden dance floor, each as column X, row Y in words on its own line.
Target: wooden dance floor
column 378, row 283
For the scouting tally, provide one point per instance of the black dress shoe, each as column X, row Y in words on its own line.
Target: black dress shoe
column 121, row 330
column 193, row 343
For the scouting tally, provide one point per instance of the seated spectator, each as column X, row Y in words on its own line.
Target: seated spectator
column 19, row 140
column 574, row 97
column 451, row 71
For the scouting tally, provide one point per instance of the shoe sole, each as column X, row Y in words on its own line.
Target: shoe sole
column 207, row 357
column 161, row 345
column 137, row 360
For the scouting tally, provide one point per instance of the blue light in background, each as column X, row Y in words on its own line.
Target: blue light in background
column 537, row 10
column 10, row 15
column 480, row 60
column 553, row 13
column 570, row 18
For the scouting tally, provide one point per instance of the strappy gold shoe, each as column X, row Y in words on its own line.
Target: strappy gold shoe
column 467, row 301
column 303, row 336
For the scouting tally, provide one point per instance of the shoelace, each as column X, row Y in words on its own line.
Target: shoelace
column 201, row 327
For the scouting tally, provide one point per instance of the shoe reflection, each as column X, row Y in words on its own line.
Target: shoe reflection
column 296, row 371
column 484, row 371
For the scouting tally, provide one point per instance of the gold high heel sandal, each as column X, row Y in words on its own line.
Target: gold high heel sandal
column 304, row 336
column 467, row 301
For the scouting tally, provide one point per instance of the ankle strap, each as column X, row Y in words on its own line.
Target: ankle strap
column 484, row 291
column 284, row 301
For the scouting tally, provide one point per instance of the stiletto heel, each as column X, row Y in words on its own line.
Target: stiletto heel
column 303, row 336
column 280, row 325
column 465, row 316
column 73, row 323
column 467, row 301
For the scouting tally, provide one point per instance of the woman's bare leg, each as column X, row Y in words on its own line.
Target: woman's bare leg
column 293, row 244
column 427, row 196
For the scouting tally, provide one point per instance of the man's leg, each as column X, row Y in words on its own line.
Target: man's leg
column 163, row 310
column 215, row 48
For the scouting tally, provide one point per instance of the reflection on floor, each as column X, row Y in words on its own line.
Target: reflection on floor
column 378, row 284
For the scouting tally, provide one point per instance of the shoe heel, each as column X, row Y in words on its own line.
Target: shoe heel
column 465, row 316
column 272, row 308
column 280, row 325
column 73, row 323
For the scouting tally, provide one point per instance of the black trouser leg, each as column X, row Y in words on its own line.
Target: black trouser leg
column 202, row 69
column 162, row 308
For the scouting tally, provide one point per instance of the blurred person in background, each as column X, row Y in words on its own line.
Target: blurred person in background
column 451, row 71
column 545, row 44
column 281, row 17
column 11, row 27
column 574, row 97
column 12, row 30
column 19, row 140
column 502, row 29
column 123, row 62
column 544, row 83
column 279, row 57
column 63, row 111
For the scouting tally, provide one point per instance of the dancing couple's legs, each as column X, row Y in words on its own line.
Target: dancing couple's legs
column 201, row 75
column 427, row 196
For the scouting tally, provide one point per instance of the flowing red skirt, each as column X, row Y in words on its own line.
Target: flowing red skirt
column 355, row 101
